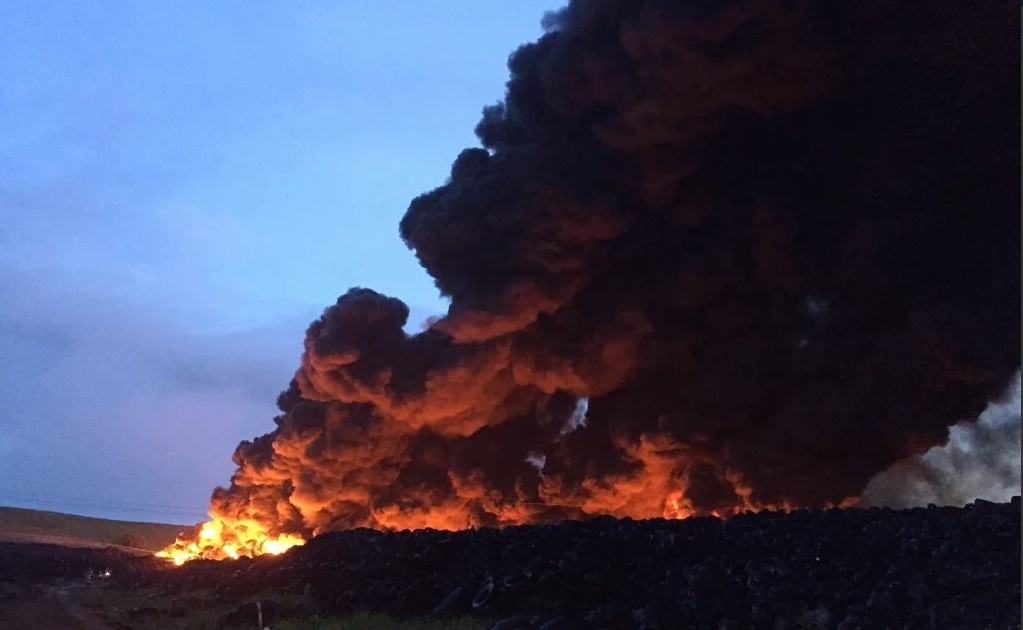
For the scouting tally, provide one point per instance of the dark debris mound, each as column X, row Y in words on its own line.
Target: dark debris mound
column 936, row 567
column 34, row 563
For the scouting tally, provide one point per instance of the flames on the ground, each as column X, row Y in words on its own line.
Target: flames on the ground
column 711, row 256
column 217, row 540
column 223, row 540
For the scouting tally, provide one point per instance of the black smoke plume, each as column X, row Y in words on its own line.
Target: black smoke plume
column 773, row 245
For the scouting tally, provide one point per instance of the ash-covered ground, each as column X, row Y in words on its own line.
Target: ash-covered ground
column 937, row 567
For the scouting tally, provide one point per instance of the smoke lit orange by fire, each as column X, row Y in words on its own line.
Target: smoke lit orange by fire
column 222, row 539
column 709, row 257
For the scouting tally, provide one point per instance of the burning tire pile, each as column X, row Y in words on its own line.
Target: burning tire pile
column 922, row 568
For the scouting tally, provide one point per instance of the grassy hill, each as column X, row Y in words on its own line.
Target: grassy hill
column 23, row 524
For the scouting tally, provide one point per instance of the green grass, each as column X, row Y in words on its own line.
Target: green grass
column 20, row 521
column 202, row 612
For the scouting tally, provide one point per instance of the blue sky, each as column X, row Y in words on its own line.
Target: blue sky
column 183, row 186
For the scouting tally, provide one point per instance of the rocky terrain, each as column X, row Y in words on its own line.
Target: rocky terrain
column 921, row 568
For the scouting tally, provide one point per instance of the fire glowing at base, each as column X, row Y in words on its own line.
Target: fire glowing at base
column 679, row 285
column 217, row 540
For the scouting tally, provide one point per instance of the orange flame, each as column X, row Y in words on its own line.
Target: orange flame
column 679, row 506
column 219, row 540
column 658, row 485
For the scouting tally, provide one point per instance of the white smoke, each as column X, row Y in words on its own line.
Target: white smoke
column 980, row 461
column 537, row 460
column 578, row 417
column 574, row 421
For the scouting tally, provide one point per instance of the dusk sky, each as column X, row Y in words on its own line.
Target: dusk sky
column 183, row 187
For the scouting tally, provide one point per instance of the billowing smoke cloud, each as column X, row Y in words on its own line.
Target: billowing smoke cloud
column 773, row 246
column 980, row 461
